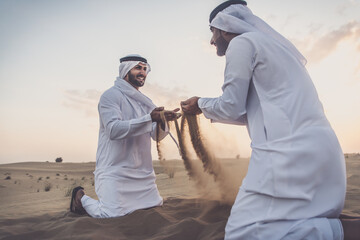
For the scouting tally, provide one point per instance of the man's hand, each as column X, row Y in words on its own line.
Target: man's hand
column 169, row 115
column 191, row 106
column 155, row 114
column 172, row 115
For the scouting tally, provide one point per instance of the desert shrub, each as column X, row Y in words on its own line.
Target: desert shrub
column 68, row 190
column 170, row 172
column 8, row 178
column 47, row 177
column 47, row 186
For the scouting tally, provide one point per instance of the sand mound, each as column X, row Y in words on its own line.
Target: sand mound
column 176, row 219
column 28, row 211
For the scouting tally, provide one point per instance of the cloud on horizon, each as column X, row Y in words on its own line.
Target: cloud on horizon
column 319, row 48
column 85, row 101
column 161, row 96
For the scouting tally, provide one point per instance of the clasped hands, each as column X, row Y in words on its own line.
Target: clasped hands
column 189, row 106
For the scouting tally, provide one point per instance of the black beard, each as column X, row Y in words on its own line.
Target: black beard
column 221, row 45
column 132, row 79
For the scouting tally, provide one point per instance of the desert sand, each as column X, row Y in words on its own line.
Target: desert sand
column 35, row 197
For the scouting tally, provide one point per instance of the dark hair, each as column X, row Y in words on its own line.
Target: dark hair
column 223, row 6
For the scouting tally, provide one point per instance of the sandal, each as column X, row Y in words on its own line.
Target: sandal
column 73, row 207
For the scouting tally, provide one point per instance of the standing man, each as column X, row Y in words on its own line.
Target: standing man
column 124, row 174
column 296, row 180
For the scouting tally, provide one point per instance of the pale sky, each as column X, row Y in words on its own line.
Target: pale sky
column 58, row 56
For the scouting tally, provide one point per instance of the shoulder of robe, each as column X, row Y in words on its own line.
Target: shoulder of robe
column 251, row 38
column 245, row 44
column 111, row 95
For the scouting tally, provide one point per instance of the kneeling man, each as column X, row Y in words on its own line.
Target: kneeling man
column 124, row 174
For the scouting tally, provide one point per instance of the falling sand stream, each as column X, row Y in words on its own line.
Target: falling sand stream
column 211, row 167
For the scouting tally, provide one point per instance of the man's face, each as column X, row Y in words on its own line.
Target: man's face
column 137, row 75
column 218, row 41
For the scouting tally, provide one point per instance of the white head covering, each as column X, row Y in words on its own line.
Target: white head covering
column 239, row 19
column 127, row 65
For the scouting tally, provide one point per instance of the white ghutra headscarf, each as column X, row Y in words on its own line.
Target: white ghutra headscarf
column 126, row 64
column 238, row 18
column 130, row 61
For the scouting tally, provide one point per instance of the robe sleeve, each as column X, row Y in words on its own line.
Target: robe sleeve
column 230, row 107
column 115, row 127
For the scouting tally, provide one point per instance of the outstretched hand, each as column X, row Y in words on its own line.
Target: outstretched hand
column 172, row 115
column 191, row 106
column 168, row 114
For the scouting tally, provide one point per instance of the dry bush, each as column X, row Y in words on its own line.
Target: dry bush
column 68, row 190
column 47, row 186
column 171, row 173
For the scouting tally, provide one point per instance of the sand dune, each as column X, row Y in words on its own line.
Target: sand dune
column 177, row 219
column 34, row 199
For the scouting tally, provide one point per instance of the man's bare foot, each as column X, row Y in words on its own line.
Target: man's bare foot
column 351, row 227
column 76, row 205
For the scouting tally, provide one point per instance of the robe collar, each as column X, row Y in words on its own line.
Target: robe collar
column 128, row 90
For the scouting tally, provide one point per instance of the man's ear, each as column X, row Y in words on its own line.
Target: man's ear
column 228, row 35
column 224, row 34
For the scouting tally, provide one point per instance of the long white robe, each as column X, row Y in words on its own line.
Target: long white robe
column 124, row 174
column 296, row 174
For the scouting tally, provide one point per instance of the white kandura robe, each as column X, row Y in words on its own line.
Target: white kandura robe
column 296, row 177
column 124, row 174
